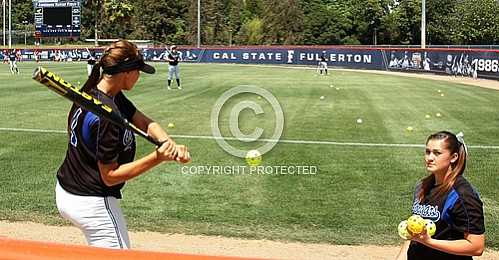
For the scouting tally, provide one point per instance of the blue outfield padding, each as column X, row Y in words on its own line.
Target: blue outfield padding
column 480, row 63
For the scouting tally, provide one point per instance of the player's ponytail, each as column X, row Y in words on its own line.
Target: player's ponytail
column 93, row 79
column 455, row 144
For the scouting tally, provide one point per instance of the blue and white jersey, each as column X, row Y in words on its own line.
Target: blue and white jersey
column 93, row 139
column 457, row 213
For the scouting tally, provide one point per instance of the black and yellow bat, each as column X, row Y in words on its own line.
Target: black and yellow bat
column 86, row 101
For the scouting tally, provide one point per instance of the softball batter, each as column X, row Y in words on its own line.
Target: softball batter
column 173, row 58
column 13, row 62
column 100, row 155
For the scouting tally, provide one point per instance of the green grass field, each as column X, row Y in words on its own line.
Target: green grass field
column 358, row 196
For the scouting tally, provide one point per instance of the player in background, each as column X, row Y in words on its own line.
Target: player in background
column 19, row 55
column 173, row 58
column 13, row 62
column 90, row 62
column 36, row 55
column 323, row 63
column 5, row 54
column 450, row 201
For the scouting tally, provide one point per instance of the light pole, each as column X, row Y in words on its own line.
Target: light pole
column 199, row 24
column 423, row 24
column 96, row 36
column 3, row 3
column 25, row 23
column 10, row 24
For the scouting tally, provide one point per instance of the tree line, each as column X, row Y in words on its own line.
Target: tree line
column 276, row 22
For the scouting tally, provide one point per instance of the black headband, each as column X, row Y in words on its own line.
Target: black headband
column 128, row 65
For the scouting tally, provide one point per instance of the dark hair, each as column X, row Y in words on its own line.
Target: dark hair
column 457, row 168
column 117, row 52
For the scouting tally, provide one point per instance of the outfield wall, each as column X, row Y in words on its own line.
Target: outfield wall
column 459, row 62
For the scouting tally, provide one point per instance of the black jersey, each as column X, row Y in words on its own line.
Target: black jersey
column 323, row 57
column 93, row 139
column 459, row 212
column 12, row 56
column 174, row 58
column 91, row 60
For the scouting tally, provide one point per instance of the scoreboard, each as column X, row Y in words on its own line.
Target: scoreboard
column 57, row 18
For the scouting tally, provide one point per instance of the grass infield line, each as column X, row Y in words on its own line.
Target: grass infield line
column 263, row 140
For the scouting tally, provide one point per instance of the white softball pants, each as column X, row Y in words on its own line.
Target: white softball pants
column 13, row 66
column 173, row 70
column 323, row 65
column 99, row 218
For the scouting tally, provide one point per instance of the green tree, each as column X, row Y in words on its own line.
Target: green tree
column 213, row 29
column 254, row 8
column 116, row 18
column 89, row 14
column 283, row 21
column 389, row 32
column 252, row 32
column 369, row 19
column 439, row 18
column 162, row 21
column 408, row 14
column 325, row 23
column 477, row 22
column 234, row 19
column 22, row 11
column 111, row 18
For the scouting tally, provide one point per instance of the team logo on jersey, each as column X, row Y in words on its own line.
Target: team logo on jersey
column 426, row 211
column 74, row 123
column 128, row 139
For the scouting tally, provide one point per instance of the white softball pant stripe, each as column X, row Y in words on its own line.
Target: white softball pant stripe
column 173, row 70
column 99, row 218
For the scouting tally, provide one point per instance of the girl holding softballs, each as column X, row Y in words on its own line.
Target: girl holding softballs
column 449, row 200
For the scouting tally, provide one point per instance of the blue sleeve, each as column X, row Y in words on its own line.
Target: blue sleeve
column 89, row 130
